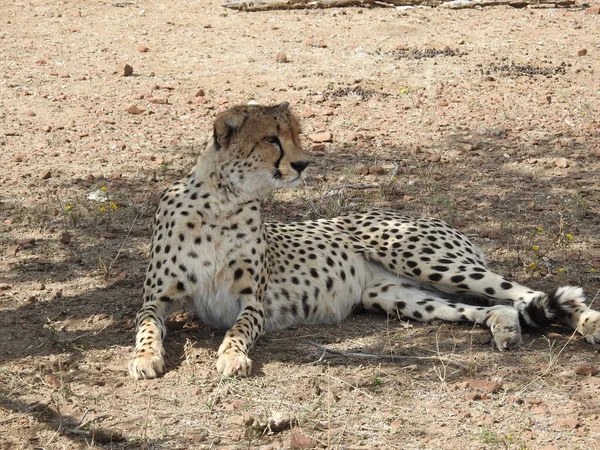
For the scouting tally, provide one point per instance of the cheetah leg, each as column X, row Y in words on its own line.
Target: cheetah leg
column 233, row 353
column 566, row 305
column 148, row 360
column 394, row 296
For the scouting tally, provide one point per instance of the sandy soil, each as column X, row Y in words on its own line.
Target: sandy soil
column 489, row 119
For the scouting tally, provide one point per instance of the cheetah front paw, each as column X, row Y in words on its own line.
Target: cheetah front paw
column 504, row 324
column 146, row 364
column 234, row 364
column 589, row 326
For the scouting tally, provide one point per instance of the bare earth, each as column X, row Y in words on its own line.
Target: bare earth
column 489, row 119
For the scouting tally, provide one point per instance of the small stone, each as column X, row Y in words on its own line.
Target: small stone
column 442, row 103
column 593, row 10
column 199, row 93
column 464, row 147
column 316, row 43
column 11, row 133
column 279, row 421
column 484, row 385
column 38, row 286
column 5, row 286
column 307, row 114
column 26, row 243
column 159, row 100
column 124, row 69
column 376, row 170
column 586, row 370
column 133, row 109
column 18, row 157
column 325, row 136
column 46, row 175
column 281, row 57
column 298, row 440
column 436, row 157
column 64, row 238
column 107, row 235
column 582, row 52
column 207, row 25
column 563, row 163
column 142, row 48
column 30, row 113
column 362, row 170
column 318, row 147
column 567, row 422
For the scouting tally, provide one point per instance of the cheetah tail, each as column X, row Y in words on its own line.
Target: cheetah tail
column 563, row 306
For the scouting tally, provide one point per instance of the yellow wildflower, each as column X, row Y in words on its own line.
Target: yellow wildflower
column 113, row 205
column 68, row 207
column 532, row 265
column 535, row 248
column 102, row 209
column 103, row 188
column 560, row 270
column 540, row 229
column 569, row 236
column 592, row 270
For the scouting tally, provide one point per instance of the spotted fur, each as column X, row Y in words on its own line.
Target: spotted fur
column 210, row 245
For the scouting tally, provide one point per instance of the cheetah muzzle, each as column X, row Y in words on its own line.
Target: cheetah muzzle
column 211, row 246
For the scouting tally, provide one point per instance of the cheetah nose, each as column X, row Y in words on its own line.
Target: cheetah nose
column 299, row 166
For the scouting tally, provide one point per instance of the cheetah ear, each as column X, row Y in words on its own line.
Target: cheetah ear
column 284, row 105
column 226, row 125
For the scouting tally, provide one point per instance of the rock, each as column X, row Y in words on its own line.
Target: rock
column 593, row 10
column 325, row 136
column 279, row 421
column 107, row 235
column 46, row 175
column 484, row 385
column 586, row 370
column 442, row 103
column 464, row 147
column 30, row 113
column 281, row 57
column 316, row 43
column 376, row 170
column 199, row 93
column 567, row 422
column 18, row 157
column 318, row 147
column 362, row 170
column 5, row 286
column 563, row 163
column 26, row 243
column 159, row 100
column 38, row 286
column 133, row 109
column 298, row 440
column 124, row 69
column 582, row 52
column 142, row 48
column 307, row 114
column 64, row 238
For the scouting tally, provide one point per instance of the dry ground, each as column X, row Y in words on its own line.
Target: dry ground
column 488, row 118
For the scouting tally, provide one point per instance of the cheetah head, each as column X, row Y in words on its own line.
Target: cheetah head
column 258, row 148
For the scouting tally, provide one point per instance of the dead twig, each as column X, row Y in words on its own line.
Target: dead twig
column 388, row 357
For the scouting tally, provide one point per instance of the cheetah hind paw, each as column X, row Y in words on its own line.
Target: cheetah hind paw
column 146, row 365
column 505, row 327
column 234, row 364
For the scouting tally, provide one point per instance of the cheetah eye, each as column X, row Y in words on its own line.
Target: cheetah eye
column 272, row 140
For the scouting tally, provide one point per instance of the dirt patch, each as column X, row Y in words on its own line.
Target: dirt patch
column 510, row 157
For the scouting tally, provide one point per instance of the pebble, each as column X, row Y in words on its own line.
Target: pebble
column 307, row 114
column 586, row 370
column 199, row 93
column 567, row 422
column 30, row 113
column 46, row 175
column 376, row 170
column 279, row 421
column 38, row 286
column 299, row 440
column 316, row 43
column 362, row 170
column 593, row 10
column 107, row 235
column 281, row 57
column 325, row 136
column 133, row 109
column 563, row 163
column 582, row 52
column 159, row 100
column 142, row 48
column 124, row 69
column 64, row 238
column 484, row 385
column 318, row 147
column 18, row 157
column 26, row 243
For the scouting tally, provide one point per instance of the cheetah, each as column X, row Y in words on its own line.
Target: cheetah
column 211, row 247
